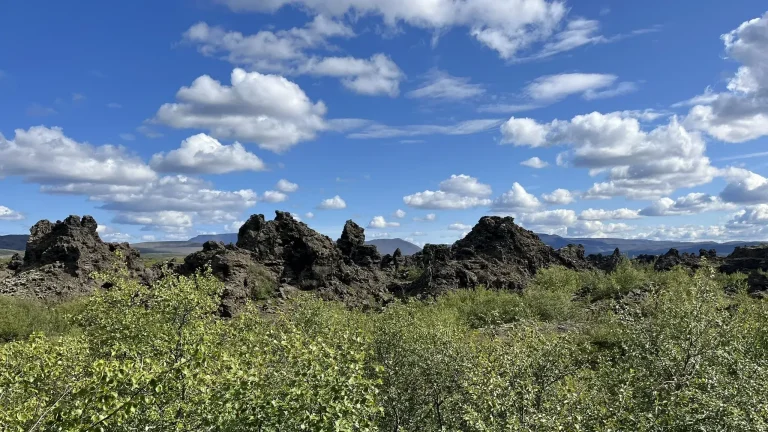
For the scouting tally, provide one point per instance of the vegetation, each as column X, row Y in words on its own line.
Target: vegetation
column 633, row 350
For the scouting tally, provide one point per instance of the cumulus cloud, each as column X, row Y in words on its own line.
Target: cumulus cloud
column 559, row 217
column 192, row 196
column 516, row 200
column 599, row 229
column 285, row 52
column 379, row 222
column 399, row 214
column 268, row 110
column 335, row 203
column 284, row 185
column 441, row 85
column 46, row 155
column 428, row 218
column 559, row 196
column 534, row 162
column 202, row 154
column 456, row 193
column 271, row 196
column 693, row 203
column 601, row 214
column 459, row 227
column 639, row 164
column 554, row 87
column 309, row 215
column 7, row 214
column 234, row 226
column 512, row 28
column 744, row 187
column 741, row 113
column 171, row 221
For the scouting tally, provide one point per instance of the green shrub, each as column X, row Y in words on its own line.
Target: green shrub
column 551, row 295
column 262, row 283
column 482, row 307
column 22, row 317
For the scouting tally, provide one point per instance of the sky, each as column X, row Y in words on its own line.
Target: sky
column 165, row 120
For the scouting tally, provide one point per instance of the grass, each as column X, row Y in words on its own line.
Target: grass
column 22, row 317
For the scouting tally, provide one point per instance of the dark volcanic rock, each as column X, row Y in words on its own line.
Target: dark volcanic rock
column 60, row 258
column 353, row 247
column 16, row 262
column 243, row 277
column 606, row 263
column 745, row 259
column 497, row 253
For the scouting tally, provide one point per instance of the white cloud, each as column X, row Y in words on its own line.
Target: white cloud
column 693, row 203
column 309, row 215
column 284, row 185
column 440, row 200
column 114, row 105
column 152, row 221
column 264, row 109
column 558, row 217
column 148, row 238
column 416, row 234
column 686, row 233
column 378, row 235
column 598, row 229
column 741, row 113
column 278, row 51
column 202, row 154
column 463, row 184
column 467, row 127
column 274, row 196
column 296, row 217
column 46, row 155
column 502, row 108
column 378, row 75
column 192, row 196
column 7, row 214
column 621, row 88
column 601, row 214
column 284, row 52
column 379, row 222
column 559, row 196
column 515, row 200
column 523, row 131
column 509, row 27
column 534, row 162
column 456, row 193
column 399, row 214
column 77, row 97
column 554, row 87
column 744, row 187
column 127, row 137
column 459, row 227
column 638, row 164
column 234, row 226
column 335, row 203
column 751, row 216
column 428, row 218
column 440, row 85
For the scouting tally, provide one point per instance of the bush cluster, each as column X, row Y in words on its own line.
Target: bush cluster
column 633, row 350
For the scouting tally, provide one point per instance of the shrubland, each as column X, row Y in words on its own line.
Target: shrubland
column 630, row 350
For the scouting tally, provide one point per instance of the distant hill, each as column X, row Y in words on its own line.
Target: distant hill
column 385, row 246
column 388, row 246
column 226, row 238
column 634, row 247
column 14, row 241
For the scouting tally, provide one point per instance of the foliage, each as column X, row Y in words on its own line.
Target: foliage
column 631, row 350
column 261, row 281
column 413, row 273
column 21, row 317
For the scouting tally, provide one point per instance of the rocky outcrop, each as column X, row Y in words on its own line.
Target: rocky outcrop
column 752, row 260
column 60, row 258
column 497, row 253
column 691, row 261
column 606, row 263
column 243, row 277
column 353, row 247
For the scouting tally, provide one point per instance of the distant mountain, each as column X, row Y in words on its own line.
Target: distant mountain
column 388, row 246
column 14, row 241
column 634, row 247
column 226, row 238
column 385, row 246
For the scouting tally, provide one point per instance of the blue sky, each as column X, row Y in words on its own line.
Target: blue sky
column 169, row 119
